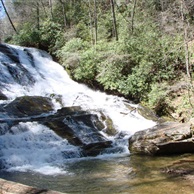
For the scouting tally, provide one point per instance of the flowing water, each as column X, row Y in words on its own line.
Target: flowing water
column 31, row 153
column 126, row 175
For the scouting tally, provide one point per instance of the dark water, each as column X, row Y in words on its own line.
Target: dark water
column 131, row 174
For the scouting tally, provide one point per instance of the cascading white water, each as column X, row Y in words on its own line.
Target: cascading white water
column 31, row 146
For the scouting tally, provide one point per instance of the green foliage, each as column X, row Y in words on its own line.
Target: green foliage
column 75, row 45
column 51, row 35
column 87, row 69
column 112, row 71
column 136, row 66
column 83, row 31
column 28, row 36
column 156, row 58
column 157, row 94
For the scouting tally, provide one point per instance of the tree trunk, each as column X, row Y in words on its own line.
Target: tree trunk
column 91, row 23
column 133, row 16
column 38, row 15
column 95, row 22
column 64, row 13
column 8, row 16
column 51, row 8
column 185, row 41
column 114, row 20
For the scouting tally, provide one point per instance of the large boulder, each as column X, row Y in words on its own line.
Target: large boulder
column 80, row 128
column 29, row 106
column 165, row 139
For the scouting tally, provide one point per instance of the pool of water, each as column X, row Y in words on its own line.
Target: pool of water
column 128, row 174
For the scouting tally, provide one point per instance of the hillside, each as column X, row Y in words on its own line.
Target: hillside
column 135, row 49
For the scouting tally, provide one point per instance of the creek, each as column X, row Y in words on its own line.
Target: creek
column 33, row 154
column 126, row 175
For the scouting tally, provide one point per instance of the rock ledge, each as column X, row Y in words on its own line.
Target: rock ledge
column 165, row 139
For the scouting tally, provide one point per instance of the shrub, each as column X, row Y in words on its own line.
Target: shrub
column 27, row 36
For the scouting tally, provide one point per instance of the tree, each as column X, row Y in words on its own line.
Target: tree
column 8, row 16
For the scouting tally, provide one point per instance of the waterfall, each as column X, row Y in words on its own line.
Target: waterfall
column 32, row 146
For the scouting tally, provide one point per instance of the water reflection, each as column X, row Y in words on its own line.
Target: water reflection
column 134, row 175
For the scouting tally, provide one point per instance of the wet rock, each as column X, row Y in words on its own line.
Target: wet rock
column 144, row 112
column 3, row 96
column 58, row 126
column 29, row 106
column 93, row 149
column 147, row 113
column 80, row 129
column 107, row 125
column 15, row 71
column 9, row 52
column 165, row 139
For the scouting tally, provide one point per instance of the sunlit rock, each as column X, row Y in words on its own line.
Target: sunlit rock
column 168, row 138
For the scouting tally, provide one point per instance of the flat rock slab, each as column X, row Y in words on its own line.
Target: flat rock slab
column 165, row 139
column 9, row 187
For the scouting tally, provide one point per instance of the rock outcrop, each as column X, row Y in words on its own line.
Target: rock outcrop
column 165, row 139
column 79, row 127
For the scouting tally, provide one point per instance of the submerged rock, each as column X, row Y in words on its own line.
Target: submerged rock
column 167, row 138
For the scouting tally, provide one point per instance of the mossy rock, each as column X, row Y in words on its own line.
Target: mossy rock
column 107, row 125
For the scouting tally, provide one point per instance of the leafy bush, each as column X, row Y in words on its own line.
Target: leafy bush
column 51, row 36
column 87, row 69
column 27, row 36
column 75, row 45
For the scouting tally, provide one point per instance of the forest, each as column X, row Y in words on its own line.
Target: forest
column 137, row 49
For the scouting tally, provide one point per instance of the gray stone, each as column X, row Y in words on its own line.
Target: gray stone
column 165, row 139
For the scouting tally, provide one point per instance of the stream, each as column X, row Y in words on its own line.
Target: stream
column 126, row 175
